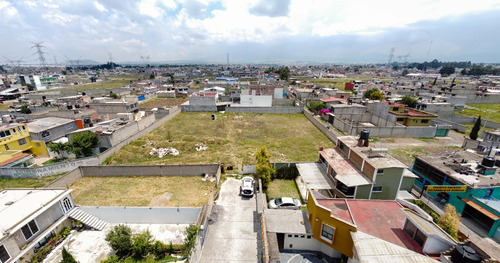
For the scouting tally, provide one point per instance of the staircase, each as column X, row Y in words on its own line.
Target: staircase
column 87, row 219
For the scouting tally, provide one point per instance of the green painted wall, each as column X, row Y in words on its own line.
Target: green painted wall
column 363, row 192
column 389, row 181
column 407, row 183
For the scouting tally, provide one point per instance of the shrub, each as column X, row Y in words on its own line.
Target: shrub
column 159, row 250
column 142, row 244
column 120, row 239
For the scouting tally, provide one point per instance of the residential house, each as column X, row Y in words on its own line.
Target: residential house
column 30, row 217
column 352, row 229
column 51, row 128
column 109, row 110
column 491, row 139
column 479, row 176
column 400, row 113
column 16, row 147
column 360, row 172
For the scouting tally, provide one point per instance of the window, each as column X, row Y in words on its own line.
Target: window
column 24, row 128
column 14, row 130
column 400, row 119
column 7, row 147
column 380, row 171
column 377, row 189
column 21, row 141
column 45, row 134
column 289, row 235
column 395, row 109
column 19, row 129
column 425, row 121
column 488, row 194
column 67, row 204
column 308, row 236
column 490, row 136
column 327, row 233
column 29, row 229
column 4, row 255
column 296, row 236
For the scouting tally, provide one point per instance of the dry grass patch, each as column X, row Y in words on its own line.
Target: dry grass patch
column 166, row 191
column 231, row 139
column 162, row 102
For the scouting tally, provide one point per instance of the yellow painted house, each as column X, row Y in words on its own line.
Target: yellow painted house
column 408, row 116
column 16, row 145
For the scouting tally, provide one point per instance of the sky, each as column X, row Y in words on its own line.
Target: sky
column 250, row 31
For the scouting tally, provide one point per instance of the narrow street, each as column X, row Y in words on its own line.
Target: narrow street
column 234, row 227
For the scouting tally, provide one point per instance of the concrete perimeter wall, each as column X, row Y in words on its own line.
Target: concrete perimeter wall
column 66, row 180
column 265, row 109
column 144, row 215
column 147, row 125
column 463, row 119
column 150, row 170
column 322, row 127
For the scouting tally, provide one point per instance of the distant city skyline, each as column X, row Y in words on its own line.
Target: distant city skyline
column 250, row 31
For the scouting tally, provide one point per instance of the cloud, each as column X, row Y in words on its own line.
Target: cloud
column 271, row 8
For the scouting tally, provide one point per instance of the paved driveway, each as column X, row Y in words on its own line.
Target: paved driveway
column 232, row 235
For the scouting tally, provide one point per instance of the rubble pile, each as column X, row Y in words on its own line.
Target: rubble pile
column 164, row 151
column 200, row 147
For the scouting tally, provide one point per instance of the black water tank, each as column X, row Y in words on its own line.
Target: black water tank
column 69, row 107
column 365, row 134
column 488, row 161
column 464, row 254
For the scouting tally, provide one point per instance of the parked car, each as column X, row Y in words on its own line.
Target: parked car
column 284, row 203
column 247, row 186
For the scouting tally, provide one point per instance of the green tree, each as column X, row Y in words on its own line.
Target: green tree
column 191, row 233
column 317, row 106
column 30, row 87
column 410, row 101
column 447, row 70
column 450, row 221
column 113, row 95
column 25, row 109
column 463, row 72
column 83, row 143
column 151, row 76
column 263, row 168
column 284, row 73
column 373, row 94
column 475, row 129
column 67, row 257
column 120, row 239
column 57, row 147
column 142, row 244
column 404, row 73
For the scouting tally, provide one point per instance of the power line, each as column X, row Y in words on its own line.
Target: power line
column 39, row 51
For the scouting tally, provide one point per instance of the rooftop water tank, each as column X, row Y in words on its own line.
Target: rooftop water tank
column 364, row 134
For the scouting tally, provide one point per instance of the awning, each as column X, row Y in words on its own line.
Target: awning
column 481, row 209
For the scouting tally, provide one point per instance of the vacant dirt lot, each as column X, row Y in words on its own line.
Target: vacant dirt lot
column 142, row 191
column 231, row 138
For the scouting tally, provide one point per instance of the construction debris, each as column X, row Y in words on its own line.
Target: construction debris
column 164, row 151
column 201, row 147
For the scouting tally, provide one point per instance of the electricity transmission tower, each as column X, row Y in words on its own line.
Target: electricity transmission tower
column 145, row 60
column 38, row 46
column 111, row 60
column 391, row 56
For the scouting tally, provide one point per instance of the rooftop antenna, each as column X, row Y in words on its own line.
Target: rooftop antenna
column 38, row 46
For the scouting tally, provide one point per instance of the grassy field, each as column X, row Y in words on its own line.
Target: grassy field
column 469, row 128
column 142, row 191
column 5, row 105
column 231, row 139
column 27, row 183
column 483, row 111
column 282, row 188
column 110, row 82
column 406, row 155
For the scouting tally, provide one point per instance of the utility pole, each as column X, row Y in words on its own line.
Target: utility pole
column 38, row 46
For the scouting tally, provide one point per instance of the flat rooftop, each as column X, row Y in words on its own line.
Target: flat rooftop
column 379, row 160
column 347, row 173
column 16, row 205
column 430, row 228
column 47, row 123
column 453, row 163
column 287, row 221
column 314, row 176
column 383, row 219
